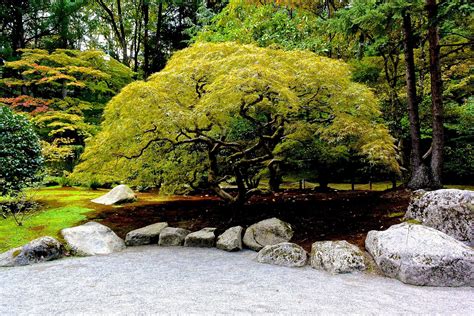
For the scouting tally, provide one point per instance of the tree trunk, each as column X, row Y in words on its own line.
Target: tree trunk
column 415, row 156
column 275, row 177
column 158, row 60
column 436, row 94
column 146, row 43
column 123, row 38
column 18, row 32
column 420, row 177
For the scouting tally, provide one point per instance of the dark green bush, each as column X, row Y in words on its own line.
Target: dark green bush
column 20, row 153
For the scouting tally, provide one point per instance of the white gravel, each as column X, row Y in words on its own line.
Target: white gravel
column 152, row 279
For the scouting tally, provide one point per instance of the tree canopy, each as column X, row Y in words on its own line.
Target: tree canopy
column 227, row 112
column 64, row 92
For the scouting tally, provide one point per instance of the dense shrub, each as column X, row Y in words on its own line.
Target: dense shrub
column 20, row 152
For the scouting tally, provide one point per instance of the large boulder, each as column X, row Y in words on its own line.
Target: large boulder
column 337, row 257
column 119, row 194
column 92, row 239
column 172, row 236
column 283, row 254
column 39, row 250
column 270, row 231
column 231, row 239
column 421, row 255
column 203, row 238
column 145, row 235
column 450, row 211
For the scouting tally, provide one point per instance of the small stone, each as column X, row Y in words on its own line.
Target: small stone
column 337, row 257
column 145, row 235
column 231, row 239
column 284, row 254
column 171, row 236
column 267, row 232
column 203, row 238
column 92, row 239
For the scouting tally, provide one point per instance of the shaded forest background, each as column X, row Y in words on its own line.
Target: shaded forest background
column 63, row 60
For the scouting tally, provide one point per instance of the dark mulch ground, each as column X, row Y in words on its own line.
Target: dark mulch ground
column 314, row 216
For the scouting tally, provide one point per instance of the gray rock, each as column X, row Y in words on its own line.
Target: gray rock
column 270, row 231
column 203, row 238
column 119, row 194
column 39, row 250
column 420, row 255
column 171, row 236
column 92, row 239
column 283, row 254
column 231, row 239
column 450, row 211
column 337, row 257
column 145, row 235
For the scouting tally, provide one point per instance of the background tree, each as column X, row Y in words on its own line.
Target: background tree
column 227, row 113
column 64, row 93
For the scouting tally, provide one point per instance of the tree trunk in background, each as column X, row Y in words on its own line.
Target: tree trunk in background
column 420, row 175
column 146, row 42
column 123, row 39
column 158, row 60
column 18, row 32
column 275, row 177
column 436, row 94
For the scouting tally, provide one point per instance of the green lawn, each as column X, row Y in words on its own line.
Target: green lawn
column 62, row 208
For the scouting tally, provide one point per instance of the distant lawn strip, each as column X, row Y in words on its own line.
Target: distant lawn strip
column 63, row 207
column 42, row 223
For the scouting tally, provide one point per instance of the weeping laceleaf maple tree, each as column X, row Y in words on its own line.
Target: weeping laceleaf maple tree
column 222, row 114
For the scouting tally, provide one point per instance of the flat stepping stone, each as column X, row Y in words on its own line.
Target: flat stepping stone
column 172, row 236
column 146, row 235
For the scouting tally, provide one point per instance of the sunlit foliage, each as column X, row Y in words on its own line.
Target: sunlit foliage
column 227, row 112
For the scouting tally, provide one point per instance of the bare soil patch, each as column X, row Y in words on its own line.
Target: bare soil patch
column 314, row 216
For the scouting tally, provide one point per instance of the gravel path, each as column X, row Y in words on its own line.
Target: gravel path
column 151, row 279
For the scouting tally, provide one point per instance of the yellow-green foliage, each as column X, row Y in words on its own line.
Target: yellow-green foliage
column 206, row 87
